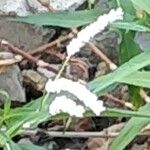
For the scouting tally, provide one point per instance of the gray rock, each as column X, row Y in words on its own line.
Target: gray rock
column 35, row 79
column 19, row 7
column 24, row 36
column 107, row 42
column 139, row 147
column 34, row 6
column 65, row 4
column 58, row 5
column 26, row 7
column 142, row 38
column 11, row 82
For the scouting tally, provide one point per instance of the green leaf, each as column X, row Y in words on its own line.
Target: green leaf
column 131, row 129
column 138, row 78
column 142, row 4
column 14, row 146
column 33, row 118
column 129, row 49
column 62, row 19
column 130, row 26
column 3, row 138
column 127, row 6
column 29, row 146
column 134, row 64
column 7, row 102
column 129, row 11
column 113, row 112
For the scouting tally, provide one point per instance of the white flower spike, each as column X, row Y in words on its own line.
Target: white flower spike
column 66, row 105
column 91, row 30
column 79, row 90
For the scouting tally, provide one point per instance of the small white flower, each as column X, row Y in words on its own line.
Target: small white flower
column 66, row 105
column 77, row 89
column 91, row 30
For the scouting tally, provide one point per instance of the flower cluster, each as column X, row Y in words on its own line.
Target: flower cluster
column 64, row 104
column 91, row 30
column 78, row 90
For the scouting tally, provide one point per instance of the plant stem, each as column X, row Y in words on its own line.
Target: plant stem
column 63, row 67
column 118, row 3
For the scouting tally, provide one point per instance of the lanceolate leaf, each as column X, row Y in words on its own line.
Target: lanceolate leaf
column 29, row 146
column 129, row 49
column 62, row 19
column 134, row 64
column 132, row 128
column 138, row 78
column 114, row 112
column 130, row 26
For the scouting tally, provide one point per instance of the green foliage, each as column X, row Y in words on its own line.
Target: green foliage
column 14, row 119
column 129, row 49
column 29, row 146
column 134, row 64
column 134, row 26
column 138, row 78
column 142, row 4
column 129, row 72
column 132, row 128
column 62, row 19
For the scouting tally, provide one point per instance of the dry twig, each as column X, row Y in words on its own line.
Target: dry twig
column 97, row 51
column 16, row 50
column 118, row 101
column 47, row 5
column 44, row 47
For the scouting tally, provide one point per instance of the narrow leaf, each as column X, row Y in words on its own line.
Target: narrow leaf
column 134, row 64
column 29, row 146
column 62, row 19
column 138, row 78
column 132, row 128
column 130, row 26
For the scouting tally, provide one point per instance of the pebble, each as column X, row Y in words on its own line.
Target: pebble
column 11, row 80
column 27, row 7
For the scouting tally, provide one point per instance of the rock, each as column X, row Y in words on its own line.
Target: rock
column 24, row 36
column 107, row 42
column 139, row 147
column 34, row 6
column 47, row 73
column 35, row 79
column 11, row 82
column 18, row 7
column 142, row 38
column 26, row 7
column 58, row 5
column 104, row 5
column 65, row 4
column 102, row 69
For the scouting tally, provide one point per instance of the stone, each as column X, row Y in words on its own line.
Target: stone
column 27, row 7
column 107, row 42
column 24, row 36
column 18, row 7
column 102, row 69
column 34, row 6
column 142, row 38
column 11, row 82
column 65, row 4
column 11, row 79
column 34, row 78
